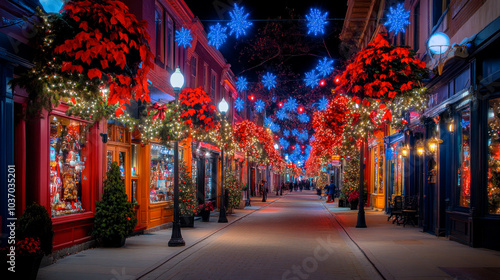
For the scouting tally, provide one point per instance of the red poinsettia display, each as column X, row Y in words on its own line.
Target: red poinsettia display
column 383, row 81
column 111, row 46
column 247, row 134
column 197, row 111
column 329, row 126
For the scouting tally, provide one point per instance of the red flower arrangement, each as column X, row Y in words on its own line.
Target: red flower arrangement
column 197, row 111
column 207, row 206
column 353, row 196
column 29, row 247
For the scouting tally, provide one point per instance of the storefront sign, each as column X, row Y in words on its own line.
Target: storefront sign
column 208, row 146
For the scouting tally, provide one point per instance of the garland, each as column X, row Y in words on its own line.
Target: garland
column 94, row 55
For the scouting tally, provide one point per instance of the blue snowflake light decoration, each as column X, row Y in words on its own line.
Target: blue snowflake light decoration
column 322, row 103
column 269, row 80
column 239, row 23
column 286, row 132
column 295, row 132
column 291, row 104
column 311, row 139
column 316, row 21
column 303, row 136
column 241, row 84
column 274, row 127
column 239, row 104
column 311, row 79
column 281, row 114
column 268, row 121
column 325, row 66
column 397, row 19
column 217, row 35
column 183, row 37
column 303, row 118
column 284, row 144
column 259, row 105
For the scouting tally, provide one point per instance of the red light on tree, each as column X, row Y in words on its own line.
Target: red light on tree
column 280, row 104
column 322, row 82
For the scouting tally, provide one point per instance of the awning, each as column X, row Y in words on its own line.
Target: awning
column 159, row 95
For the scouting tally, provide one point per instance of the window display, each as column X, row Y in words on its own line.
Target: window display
column 493, row 190
column 68, row 155
column 135, row 160
column 162, row 174
column 209, row 193
column 464, row 159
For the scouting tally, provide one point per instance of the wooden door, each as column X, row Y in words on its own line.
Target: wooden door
column 121, row 155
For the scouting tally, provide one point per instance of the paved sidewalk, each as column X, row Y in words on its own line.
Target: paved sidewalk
column 408, row 253
column 141, row 253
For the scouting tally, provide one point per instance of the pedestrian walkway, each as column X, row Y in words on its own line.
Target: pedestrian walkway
column 141, row 253
column 408, row 253
column 295, row 236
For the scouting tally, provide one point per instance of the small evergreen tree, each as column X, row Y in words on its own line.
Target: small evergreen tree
column 115, row 215
column 233, row 188
column 35, row 222
column 188, row 203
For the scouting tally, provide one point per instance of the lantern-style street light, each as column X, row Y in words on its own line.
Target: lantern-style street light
column 177, row 81
column 223, row 108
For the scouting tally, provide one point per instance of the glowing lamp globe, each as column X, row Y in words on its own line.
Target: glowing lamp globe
column 438, row 43
column 223, row 106
column 276, row 146
column 52, row 6
column 177, row 79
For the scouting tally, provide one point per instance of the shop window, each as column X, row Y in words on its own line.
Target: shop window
column 493, row 188
column 463, row 129
column 68, row 156
column 379, row 171
column 160, row 33
column 135, row 160
column 162, row 173
column 209, row 188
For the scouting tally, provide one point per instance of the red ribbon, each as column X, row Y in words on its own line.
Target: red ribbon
column 160, row 110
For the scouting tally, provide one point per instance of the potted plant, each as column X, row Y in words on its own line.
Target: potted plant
column 204, row 210
column 353, row 199
column 187, row 197
column 34, row 236
column 115, row 216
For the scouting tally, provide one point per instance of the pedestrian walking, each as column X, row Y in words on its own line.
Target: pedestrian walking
column 331, row 193
column 263, row 190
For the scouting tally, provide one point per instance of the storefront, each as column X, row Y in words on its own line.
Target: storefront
column 204, row 170
column 66, row 172
column 377, row 174
column 395, row 167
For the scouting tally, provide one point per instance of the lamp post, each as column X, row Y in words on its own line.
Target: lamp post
column 177, row 81
column 223, row 107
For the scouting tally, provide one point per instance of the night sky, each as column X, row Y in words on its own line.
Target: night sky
column 209, row 12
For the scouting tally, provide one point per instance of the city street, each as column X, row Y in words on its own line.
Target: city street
column 291, row 237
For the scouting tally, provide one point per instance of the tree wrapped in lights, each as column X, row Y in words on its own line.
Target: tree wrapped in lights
column 187, row 192
column 89, row 47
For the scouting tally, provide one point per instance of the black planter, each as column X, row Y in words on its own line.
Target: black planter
column 342, row 203
column 187, row 221
column 354, row 205
column 205, row 216
column 26, row 268
column 113, row 242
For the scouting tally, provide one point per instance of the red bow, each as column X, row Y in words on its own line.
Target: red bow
column 160, row 110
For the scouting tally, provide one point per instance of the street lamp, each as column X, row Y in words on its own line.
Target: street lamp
column 177, row 81
column 223, row 107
